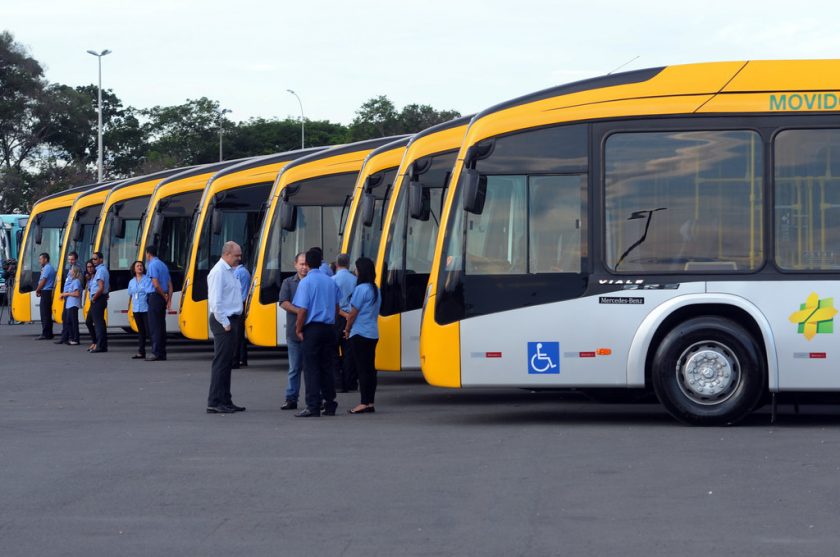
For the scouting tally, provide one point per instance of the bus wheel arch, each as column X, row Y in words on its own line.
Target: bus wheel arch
column 725, row 343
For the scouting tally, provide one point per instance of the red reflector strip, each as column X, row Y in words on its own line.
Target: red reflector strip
column 123, row 311
column 493, row 355
column 587, row 354
column 817, row 355
column 172, row 312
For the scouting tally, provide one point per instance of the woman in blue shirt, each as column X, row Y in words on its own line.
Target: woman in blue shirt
column 139, row 289
column 363, row 332
column 72, row 296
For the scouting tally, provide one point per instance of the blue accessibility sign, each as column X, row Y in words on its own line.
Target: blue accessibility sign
column 544, row 358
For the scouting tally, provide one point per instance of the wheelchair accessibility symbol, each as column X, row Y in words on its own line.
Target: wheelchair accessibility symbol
column 544, row 358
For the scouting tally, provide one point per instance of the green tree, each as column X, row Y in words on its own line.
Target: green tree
column 187, row 133
column 378, row 117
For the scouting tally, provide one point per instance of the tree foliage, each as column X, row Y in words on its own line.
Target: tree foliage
column 48, row 131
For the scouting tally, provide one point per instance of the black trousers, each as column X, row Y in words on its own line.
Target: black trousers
column 46, row 313
column 142, row 320
column 346, row 378
column 224, row 345
column 70, row 325
column 240, row 355
column 364, row 351
column 157, row 324
column 97, row 310
column 89, row 324
column 318, row 358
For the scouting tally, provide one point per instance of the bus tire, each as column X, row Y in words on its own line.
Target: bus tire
column 709, row 371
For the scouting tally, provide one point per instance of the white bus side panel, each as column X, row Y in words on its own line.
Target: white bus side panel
column 803, row 364
column 172, row 325
column 281, row 325
column 410, row 339
column 590, row 336
column 118, row 309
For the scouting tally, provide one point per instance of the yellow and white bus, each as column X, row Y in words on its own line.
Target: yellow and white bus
column 309, row 203
column 118, row 234
column 374, row 188
column 674, row 228
column 404, row 258
column 232, row 208
column 44, row 233
column 79, row 236
column 169, row 222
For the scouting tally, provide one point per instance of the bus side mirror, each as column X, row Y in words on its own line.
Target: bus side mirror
column 216, row 221
column 157, row 224
column 475, row 190
column 118, row 227
column 419, row 201
column 39, row 233
column 288, row 216
column 368, row 208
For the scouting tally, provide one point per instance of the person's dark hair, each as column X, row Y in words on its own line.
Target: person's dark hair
column 343, row 260
column 133, row 265
column 91, row 263
column 74, row 254
column 314, row 258
column 303, row 253
column 99, row 255
column 366, row 274
column 45, row 255
column 151, row 250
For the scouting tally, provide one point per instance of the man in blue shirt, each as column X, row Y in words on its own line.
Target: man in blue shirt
column 288, row 289
column 44, row 290
column 345, row 372
column 159, row 302
column 317, row 302
column 240, row 355
column 98, row 289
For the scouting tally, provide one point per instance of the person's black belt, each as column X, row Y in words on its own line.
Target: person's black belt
column 235, row 316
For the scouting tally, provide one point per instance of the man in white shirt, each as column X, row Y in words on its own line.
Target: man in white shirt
column 225, row 300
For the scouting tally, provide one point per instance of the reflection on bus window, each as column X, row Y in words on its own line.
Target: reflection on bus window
column 807, row 201
column 684, row 201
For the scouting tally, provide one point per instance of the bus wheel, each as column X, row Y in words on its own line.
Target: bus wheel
column 709, row 371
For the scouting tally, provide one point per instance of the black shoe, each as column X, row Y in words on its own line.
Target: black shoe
column 98, row 350
column 154, row 358
column 42, row 337
column 365, row 410
column 235, row 366
column 306, row 413
column 221, row 409
column 139, row 357
column 329, row 409
column 60, row 342
column 243, row 364
column 289, row 405
column 237, row 408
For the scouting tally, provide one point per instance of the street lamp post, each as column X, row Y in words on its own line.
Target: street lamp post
column 302, row 118
column 221, row 120
column 99, row 56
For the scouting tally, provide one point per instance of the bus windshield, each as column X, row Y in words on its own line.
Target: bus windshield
column 52, row 233
column 173, row 240
column 84, row 228
column 241, row 212
column 364, row 240
column 410, row 245
column 321, row 206
column 118, row 246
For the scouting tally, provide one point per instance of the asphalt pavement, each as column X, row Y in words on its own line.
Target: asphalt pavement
column 103, row 455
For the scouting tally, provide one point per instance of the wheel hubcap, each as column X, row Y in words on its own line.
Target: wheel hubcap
column 708, row 372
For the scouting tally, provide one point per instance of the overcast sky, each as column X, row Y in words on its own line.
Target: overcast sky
column 462, row 55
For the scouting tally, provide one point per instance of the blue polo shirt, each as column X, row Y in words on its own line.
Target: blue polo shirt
column 48, row 273
column 101, row 274
column 366, row 321
column 139, row 292
column 318, row 295
column 157, row 269
column 244, row 277
column 346, row 282
column 326, row 269
column 72, row 285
